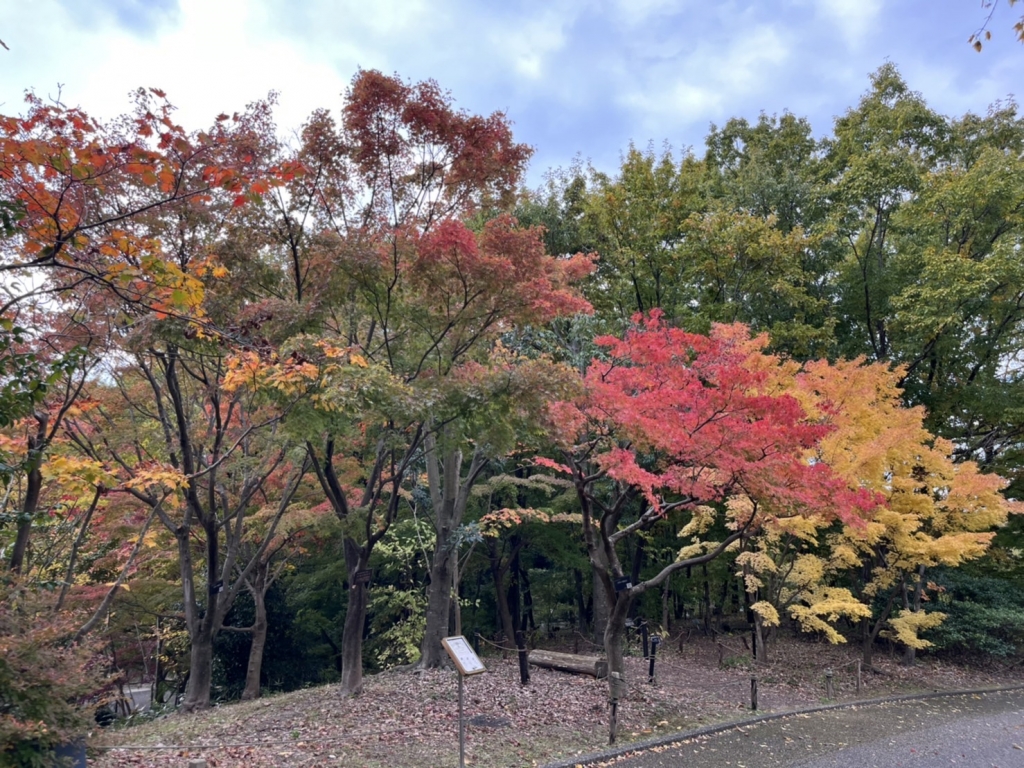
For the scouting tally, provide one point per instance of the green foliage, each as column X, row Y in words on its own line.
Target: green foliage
column 397, row 601
column 984, row 615
column 396, row 627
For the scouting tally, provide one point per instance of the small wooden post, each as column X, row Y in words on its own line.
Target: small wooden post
column 830, row 692
column 753, row 693
column 524, row 666
column 858, row 675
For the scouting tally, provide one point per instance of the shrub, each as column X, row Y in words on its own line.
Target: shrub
column 984, row 615
column 48, row 685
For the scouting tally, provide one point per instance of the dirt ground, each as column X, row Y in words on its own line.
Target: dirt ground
column 410, row 719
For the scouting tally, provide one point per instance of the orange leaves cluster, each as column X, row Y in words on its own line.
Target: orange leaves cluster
column 80, row 188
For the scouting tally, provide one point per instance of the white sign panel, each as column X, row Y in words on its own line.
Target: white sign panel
column 463, row 655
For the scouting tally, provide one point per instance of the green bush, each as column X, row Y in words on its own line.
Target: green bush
column 984, row 615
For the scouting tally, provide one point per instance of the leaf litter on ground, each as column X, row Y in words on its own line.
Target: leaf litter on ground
column 410, row 718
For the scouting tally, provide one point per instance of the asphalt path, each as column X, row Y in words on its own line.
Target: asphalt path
column 983, row 730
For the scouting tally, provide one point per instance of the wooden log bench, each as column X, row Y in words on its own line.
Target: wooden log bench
column 570, row 662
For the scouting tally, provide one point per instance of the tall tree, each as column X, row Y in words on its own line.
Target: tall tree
column 383, row 262
column 678, row 426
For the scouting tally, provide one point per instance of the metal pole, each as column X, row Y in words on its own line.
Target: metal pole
column 829, row 690
column 462, row 729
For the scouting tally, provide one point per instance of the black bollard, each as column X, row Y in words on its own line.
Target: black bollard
column 655, row 642
column 524, row 664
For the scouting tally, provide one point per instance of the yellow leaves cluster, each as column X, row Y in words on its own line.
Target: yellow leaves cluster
column 769, row 616
column 935, row 511
column 77, row 476
column 166, row 481
column 244, row 370
column 907, row 626
column 701, row 519
column 824, row 606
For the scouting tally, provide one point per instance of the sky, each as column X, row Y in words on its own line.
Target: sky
column 578, row 78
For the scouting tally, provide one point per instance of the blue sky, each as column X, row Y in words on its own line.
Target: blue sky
column 579, row 77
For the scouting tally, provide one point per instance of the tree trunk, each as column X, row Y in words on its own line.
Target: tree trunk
column 614, row 641
column 869, row 632
column 706, row 600
column 524, row 579
column 913, row 604
column 634, row 570
column 581, row 603
column 760, row 647
column 449, row 494
column 439, row 602
column 601, row 608
column 666, row 594
column 254, row 670
column 501, row 594
column 34, row 484
column 356, row 559
column 200, row 669
column 569, row 662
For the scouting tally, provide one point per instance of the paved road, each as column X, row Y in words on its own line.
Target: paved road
column 975, row 731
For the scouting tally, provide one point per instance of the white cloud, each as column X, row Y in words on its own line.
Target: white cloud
column 707, row 82
column 529, row 46
column 853, row 18
column 215, row 58
column 637, row 13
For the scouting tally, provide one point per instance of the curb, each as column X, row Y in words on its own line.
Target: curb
column 709, row 730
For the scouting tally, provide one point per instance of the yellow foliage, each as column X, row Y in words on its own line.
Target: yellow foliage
column 769, row 616
column 693, row 550
column 168, row 481
column 701, row 520
column 908, row 625
column 824, row 606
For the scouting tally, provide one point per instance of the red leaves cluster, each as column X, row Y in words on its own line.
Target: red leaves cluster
column 684, row 416
column 414, row 127
column 501, row 275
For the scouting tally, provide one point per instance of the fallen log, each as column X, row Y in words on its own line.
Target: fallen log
column 570, row 662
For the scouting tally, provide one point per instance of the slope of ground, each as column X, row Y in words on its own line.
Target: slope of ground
column 410, row 719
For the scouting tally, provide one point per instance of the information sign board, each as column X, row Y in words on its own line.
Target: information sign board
column 462, row 653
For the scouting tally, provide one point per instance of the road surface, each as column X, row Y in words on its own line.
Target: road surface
column 973, row 730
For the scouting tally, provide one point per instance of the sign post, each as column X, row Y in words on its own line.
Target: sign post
column 467, row 663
